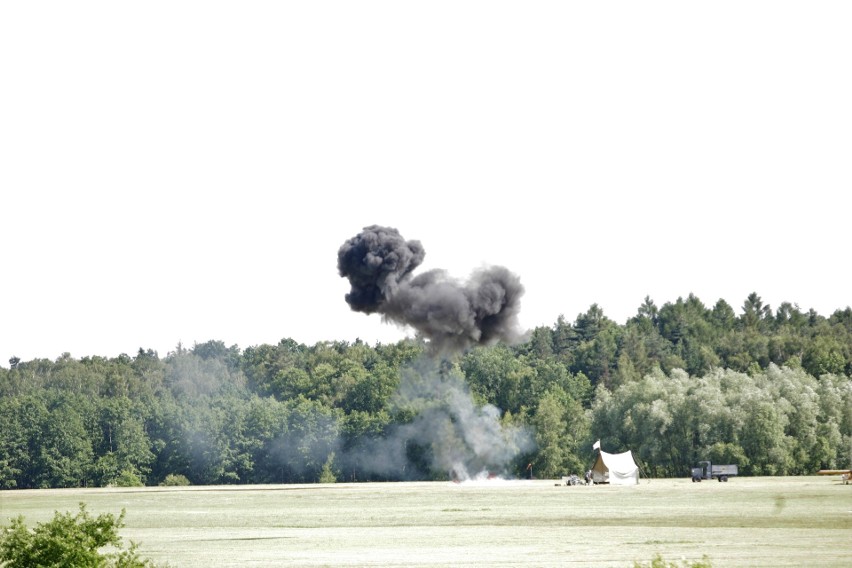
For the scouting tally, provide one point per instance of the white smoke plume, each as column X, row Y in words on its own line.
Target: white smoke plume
column 448, row 432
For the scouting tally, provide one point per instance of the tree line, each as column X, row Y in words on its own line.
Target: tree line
column 767, row 389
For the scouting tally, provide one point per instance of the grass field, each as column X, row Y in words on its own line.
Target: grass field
column 798, row 521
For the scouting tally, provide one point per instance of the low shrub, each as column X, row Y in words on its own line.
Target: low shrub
column 128, row 478
column 175, row 480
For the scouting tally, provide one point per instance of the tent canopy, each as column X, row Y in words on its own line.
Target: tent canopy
column 616, row 469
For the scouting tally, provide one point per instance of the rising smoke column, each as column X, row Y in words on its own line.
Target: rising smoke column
column 447, row 430
column 451, row 314
column 464, row 439
column 461, row 438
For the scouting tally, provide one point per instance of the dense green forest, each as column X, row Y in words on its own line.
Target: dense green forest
column 767, row 389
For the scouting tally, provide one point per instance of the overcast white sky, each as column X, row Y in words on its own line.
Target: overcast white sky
column 185, row 171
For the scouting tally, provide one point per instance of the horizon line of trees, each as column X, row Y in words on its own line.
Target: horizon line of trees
column 768, row 390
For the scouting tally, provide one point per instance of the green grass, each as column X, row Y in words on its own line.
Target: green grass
column 799, row 521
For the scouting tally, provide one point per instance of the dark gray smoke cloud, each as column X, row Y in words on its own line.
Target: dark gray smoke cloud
column 451, row 314
column 446, row 431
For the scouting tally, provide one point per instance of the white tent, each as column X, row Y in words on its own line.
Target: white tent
column 616, row 469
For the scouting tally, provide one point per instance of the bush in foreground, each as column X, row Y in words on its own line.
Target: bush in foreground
column 658, row 562
column 68, row 540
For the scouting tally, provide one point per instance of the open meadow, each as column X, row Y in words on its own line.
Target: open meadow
column 785, row 521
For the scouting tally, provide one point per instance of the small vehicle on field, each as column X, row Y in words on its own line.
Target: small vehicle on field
column 707, row 470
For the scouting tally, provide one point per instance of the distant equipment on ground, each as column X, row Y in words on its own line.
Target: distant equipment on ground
column 845, row 474
column 571, row 480
column 707, row 470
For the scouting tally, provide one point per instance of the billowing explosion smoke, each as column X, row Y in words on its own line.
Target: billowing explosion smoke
column 452, row 315
column 446, row 428
column 447, row 433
